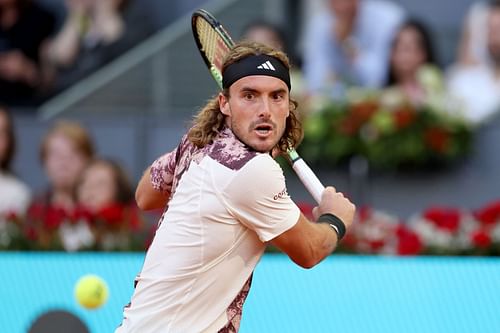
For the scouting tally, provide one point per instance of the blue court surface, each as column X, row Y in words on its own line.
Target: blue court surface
column 342, row 294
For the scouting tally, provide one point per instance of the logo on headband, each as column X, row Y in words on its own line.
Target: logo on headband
column 266, row 65
column 260, row 64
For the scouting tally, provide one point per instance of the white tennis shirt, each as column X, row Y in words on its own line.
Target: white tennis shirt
column 227, row 202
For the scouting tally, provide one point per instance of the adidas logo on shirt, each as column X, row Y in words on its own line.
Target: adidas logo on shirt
column 267, row 65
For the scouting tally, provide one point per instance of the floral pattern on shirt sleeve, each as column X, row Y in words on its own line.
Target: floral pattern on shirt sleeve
column 162, row 172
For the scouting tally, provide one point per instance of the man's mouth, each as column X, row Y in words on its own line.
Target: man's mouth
column 264, row 129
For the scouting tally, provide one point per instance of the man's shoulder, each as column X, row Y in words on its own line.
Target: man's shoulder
column 231, row 152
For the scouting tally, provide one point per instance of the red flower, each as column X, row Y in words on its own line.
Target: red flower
column 359, row 114
column 31, row 233
column 54, row 216
column 404, row 117
column 376, row 245
column 364, row 213
column 349, row 241
column 490, row 214
column 363, row 111
column 306, row 209
column 82, row 213
column 446, row 219
column 36, row 211
column 112, row 214
column 437, row 139
column 11, row 216
column 135, row 218
column 408, row 241
column 481, row 239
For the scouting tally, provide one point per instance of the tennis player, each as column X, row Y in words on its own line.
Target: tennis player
column 225, row 199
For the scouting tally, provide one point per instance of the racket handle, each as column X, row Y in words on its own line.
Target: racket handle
column 308, row 178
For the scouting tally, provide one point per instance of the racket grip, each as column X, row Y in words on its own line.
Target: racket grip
column 308, row 178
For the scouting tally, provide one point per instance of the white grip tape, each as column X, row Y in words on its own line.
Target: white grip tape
column 308, row 178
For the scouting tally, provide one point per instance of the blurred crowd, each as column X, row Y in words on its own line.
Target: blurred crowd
column 88, row 202
column 376, row 44
column 44, row 49
column 370, row 44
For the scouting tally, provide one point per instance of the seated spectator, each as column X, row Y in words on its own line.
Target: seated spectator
column 266, row 33
column 105, row 192
column 272, row 35
column 94, row 33
column 65, row 152
column 349, row 44
column 478, row 86
column 104, row 183
column 14, row 194
column 25, row 28
column 472, row 45
column 411, row 58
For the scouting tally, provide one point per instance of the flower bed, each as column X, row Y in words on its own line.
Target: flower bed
column 435, row 231
column 115, row 227
column 386, row 129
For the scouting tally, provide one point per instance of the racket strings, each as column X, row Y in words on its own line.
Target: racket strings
column 209, row 39
column 213, row 45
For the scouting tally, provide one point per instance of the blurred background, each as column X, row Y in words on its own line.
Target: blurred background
column 399, row 101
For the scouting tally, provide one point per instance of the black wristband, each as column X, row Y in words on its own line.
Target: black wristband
column 335, row 222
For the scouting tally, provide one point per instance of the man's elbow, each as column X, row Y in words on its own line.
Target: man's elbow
column 140, row 200
column 308, row 262
column 145, row 201
column 149, row 199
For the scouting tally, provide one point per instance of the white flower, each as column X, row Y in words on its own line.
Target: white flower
column 76, row 236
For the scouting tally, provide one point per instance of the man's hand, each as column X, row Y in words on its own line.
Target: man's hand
column 335, row 203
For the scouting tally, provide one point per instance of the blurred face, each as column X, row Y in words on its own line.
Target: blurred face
column 4, row 135
column 265, row 36
column 98, row 187
column 344, row 8
column 408, row 54
column 63, row 162
column 494, row 35
column 257, row 110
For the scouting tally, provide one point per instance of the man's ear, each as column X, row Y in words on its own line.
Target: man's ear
column 224, row 104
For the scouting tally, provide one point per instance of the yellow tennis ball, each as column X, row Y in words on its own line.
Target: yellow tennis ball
column 91, row 291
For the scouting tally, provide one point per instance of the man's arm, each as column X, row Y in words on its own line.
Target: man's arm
column 147, row 197
column 308, row 243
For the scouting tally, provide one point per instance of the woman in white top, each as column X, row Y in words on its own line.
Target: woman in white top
column 14, row 194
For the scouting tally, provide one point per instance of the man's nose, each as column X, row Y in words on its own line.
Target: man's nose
column 265, row 109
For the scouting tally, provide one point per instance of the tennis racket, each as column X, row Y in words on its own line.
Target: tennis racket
column 214, row 43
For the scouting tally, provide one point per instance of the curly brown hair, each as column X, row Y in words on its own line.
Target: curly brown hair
column 210, row 120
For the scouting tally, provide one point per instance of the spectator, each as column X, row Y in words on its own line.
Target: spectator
column 94, row 33
column 102, row 184
column 25, row 28
column 105, row 192
column 14, row 195
column 272, row 35
column 478, row 86
column 66, row 150
column 411, row 55
column 472, row 46
column 349, row 44
column 266, row 33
